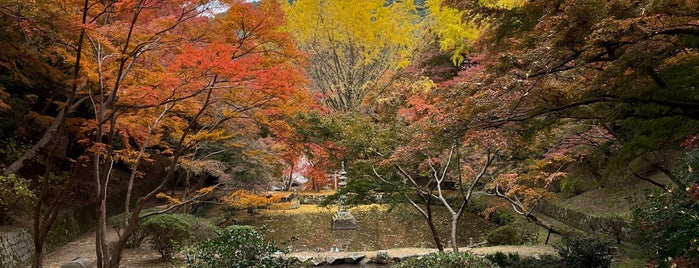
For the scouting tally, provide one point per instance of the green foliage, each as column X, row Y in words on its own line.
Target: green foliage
column 502, row 259
column 568, row 185
column 137, row 237
column 235, row 246
column 447, row 260
column 169, row 233
column 477, row 204
column 501, row 217
column 668, row 222
column 585, row 252
column 515, row 233
column 10, row 149
column 513, row 260
column 640, row 136
column 15, row 194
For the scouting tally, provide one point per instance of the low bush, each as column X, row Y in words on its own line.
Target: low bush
column 15, row 196
column 137, row 237
column 235, row 246
column 477, row 204
column 585, row 251
column 168, row 233
column 513, row 260
column 501, row 217
column 515, row 233
column 447, row 260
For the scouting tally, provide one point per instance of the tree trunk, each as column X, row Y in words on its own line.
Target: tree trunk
column 38, row 261
column 433, row 229
column 454, row 227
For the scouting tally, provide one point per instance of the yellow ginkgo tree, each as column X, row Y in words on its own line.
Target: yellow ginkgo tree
column 353, row 44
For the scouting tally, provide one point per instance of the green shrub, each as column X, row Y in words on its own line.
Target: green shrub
column 447, row 260
column 15, row 195
column 235, row 246
column 477, row 204
column 502, row 259
column 137, row 237
column 501, row 217
column 515, row 233
column 513, row 260
column 585, row 251
column 168, row 233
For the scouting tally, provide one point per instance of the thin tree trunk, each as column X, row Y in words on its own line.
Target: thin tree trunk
column 433, row 229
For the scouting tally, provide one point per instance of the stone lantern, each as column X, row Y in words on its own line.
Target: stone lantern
column 343, row 219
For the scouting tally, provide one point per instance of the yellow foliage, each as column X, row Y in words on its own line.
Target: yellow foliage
column 205, row 190
column 241, row 199
column 423, row 86
column 280, row 206
column 455, row 34
column 502, row 4
column 215, row 135
column 170, row 200
column 372, row 27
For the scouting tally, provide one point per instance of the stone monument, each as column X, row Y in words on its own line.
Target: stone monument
column 343, row 219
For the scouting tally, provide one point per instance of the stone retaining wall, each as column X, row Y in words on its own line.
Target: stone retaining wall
column 584, row 221
column 568, row 216
column 15, row 247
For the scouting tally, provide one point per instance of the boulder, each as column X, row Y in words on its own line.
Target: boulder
column 78, row 263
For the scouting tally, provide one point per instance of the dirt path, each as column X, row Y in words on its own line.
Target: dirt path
column 84, row 247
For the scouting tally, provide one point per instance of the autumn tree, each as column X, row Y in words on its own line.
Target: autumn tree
column 156, row 73
column 353, row 47
column 214, row 82
column 617, row 66
column 613, row 81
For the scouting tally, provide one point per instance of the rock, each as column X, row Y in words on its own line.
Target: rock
column 334, row 260
column 303, row 259
column 382, row 257
column 354, row 259
column 318, row 261
column 78, row 263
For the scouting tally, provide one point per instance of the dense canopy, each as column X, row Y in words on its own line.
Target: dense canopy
column 508, row 98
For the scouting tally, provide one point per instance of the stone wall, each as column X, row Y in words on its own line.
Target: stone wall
column 568, row 216
column 15, row 247
column 586, row 222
